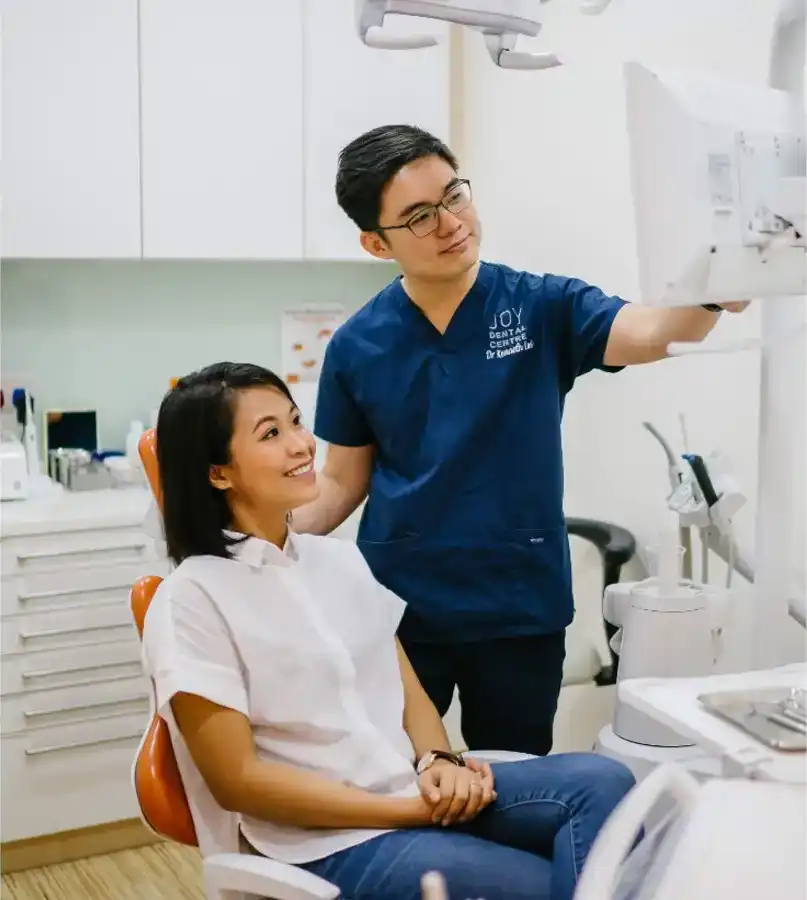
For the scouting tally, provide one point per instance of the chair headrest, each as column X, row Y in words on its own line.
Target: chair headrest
column 147, row 448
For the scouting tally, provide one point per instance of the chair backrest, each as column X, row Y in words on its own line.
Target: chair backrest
column 157, row 781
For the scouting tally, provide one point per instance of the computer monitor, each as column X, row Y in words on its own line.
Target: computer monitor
column 718, row 180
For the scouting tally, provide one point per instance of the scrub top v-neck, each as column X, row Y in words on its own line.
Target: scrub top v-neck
column 464, row 518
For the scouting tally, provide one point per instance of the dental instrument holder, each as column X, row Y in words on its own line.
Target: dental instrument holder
column 499, row 27
column 705, row 496
column 671, row 625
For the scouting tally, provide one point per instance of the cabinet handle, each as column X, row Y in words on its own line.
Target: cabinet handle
column 88, row 682
column 48, row 673
column 79, row 745
column 73, row 592
column 78, row 551
column 99, row 704
column 57, row 632
column 90, row 604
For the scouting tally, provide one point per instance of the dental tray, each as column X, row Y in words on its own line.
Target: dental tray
column 775, row 716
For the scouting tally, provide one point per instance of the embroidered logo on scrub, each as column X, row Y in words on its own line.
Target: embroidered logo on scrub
column 506, row 334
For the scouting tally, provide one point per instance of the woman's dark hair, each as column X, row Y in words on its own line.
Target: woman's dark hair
column 194, row 430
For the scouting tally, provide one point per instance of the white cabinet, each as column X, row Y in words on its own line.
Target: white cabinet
column 195, row 129
column 70, row 169
column 74, row 696
column 350, row 88
column 221, row 85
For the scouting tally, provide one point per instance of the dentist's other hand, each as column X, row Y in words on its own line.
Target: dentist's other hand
column 457, row 794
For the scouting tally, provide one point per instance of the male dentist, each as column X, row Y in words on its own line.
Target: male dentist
column 441, row 401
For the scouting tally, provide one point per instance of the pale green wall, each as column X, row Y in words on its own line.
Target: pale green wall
column 80, row 334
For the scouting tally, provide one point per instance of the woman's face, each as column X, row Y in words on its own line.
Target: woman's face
column 271, row 454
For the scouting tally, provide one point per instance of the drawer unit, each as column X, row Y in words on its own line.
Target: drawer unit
column 61, row 552
column 69, row 776
column 69, row 667
column 87, row 588
column 112, row 697
column 109, row 623
column 75, row 701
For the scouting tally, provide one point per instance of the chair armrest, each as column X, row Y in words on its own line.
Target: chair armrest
column 262, row 877
column 617, row 545
column 499, row 756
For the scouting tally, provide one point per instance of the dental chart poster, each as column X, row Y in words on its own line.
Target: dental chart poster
column 305, row 335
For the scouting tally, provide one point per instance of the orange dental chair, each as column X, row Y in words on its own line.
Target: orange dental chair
column 229, row 874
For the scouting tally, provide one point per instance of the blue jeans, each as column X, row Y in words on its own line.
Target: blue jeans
column 531, row 842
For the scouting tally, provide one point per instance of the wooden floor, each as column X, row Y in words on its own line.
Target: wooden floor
column 158, row 872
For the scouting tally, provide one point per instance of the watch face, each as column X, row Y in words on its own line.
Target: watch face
column 425, row 762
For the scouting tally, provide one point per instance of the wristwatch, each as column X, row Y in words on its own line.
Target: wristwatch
column 712, row 307
column 429, row 759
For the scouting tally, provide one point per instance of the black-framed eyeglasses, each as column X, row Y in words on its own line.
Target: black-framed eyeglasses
column 422, row 223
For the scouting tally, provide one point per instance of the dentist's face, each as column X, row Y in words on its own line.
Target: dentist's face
column 428, row 222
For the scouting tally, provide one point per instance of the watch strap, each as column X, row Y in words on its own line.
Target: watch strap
column 429, row 759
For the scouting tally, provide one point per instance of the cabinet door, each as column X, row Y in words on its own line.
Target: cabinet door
column 350, row 88
column 70, row 158
column 222, row 129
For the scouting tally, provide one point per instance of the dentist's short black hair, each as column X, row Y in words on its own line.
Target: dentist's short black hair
column 194, row 432
column 368, row 163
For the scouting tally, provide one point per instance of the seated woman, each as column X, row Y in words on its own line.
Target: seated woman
column 274, row 655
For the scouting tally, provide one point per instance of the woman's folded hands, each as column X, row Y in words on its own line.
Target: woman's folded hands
column 455, row 793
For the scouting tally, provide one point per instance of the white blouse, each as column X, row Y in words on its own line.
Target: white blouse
column 302, row 642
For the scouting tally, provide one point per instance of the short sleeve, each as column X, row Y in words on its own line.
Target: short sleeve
column 586, row 315
column 187, row 648
column 338, row 419
column 394, row 607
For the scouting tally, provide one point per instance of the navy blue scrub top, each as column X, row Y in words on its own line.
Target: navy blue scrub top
column 464, row 518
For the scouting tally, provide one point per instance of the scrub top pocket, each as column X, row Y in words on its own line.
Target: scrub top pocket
column 500, row 582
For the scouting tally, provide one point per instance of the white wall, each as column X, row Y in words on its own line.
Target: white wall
column 548, row 157
column 110, row 335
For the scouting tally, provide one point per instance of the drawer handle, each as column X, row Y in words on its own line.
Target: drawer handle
column 88, row 682
column 79, row 745
column 72, row 592
column 47, row 673
column 90, row 604
column 58, row 632
column 77, row 551
column 99, row 704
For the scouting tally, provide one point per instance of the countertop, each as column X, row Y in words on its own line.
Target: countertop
column 674, row 702
column 121, row 508
column 75, row 511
